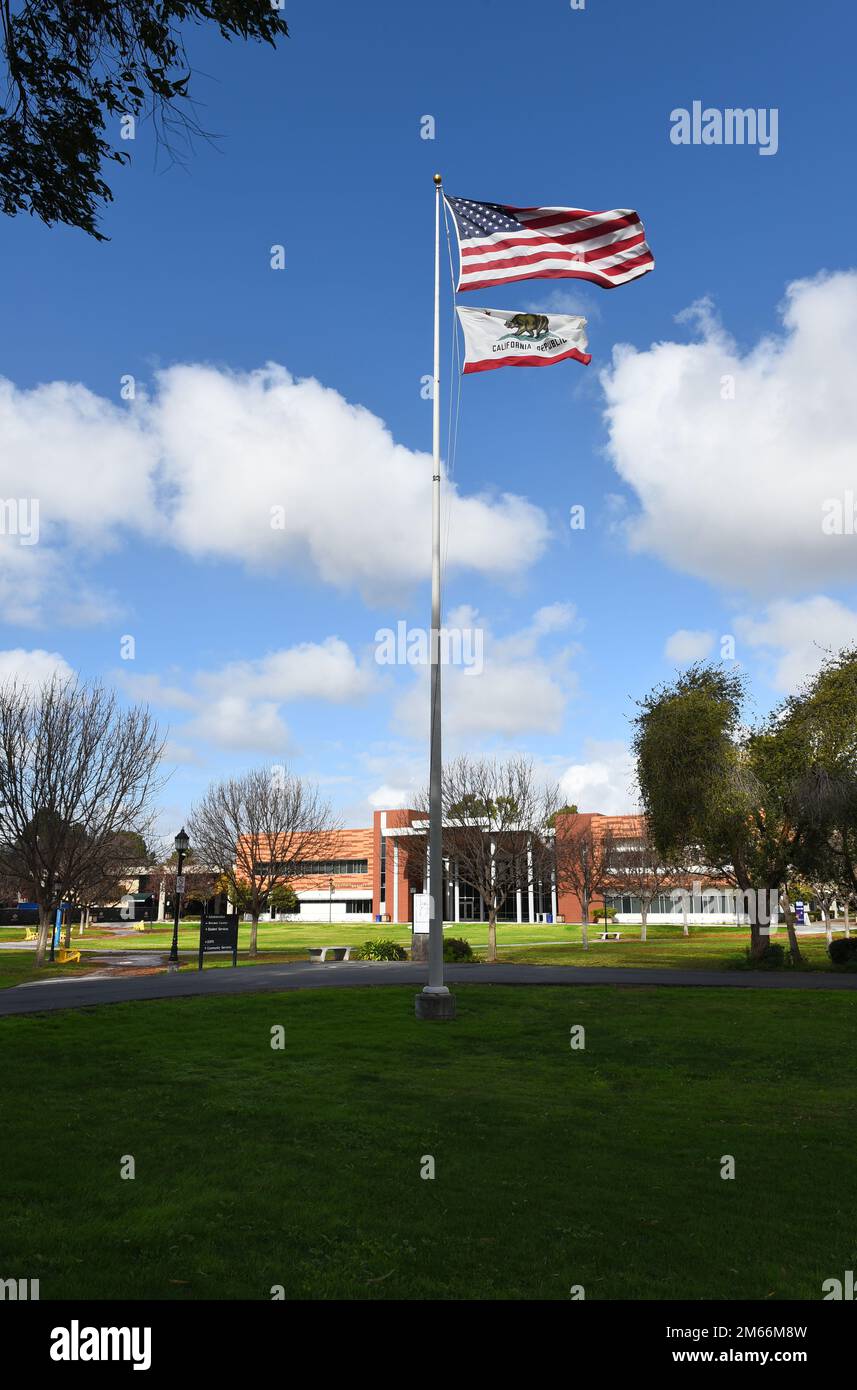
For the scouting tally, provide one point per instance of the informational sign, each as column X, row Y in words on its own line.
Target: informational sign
column 423, row 905
column 218, row 933
column 180, row 881
column 799, row 914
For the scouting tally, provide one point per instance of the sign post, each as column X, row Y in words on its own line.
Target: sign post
column 218, row 932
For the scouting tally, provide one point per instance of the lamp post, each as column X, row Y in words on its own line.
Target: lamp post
column 182, row 843
column 604, row 895
column 330, row 902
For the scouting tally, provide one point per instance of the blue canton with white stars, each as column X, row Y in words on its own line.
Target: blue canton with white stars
column 481, row 219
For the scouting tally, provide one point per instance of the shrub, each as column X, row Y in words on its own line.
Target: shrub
column 843, row 951
column 456, row 948
column 611, row 914
column 772, row 958
column 379, row 950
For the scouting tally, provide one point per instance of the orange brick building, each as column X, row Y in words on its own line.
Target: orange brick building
column 372, row 874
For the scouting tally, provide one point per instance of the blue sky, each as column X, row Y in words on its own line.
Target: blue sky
column 703, row 509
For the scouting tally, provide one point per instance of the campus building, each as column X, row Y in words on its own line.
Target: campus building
column 373, row 874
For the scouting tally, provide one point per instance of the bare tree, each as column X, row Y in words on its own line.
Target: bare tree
column 495, row 824
column 76, row 771
column 104, row 881
column 634, row 866
column 255, row 829
column 582, row 854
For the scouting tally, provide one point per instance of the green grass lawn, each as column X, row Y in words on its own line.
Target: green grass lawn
column 712, row 948
column 554, row 1167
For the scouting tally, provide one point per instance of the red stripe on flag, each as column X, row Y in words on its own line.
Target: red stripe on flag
column 556, row 216
column 561, row 239
column 549, row 253
column 488, row 364
column 597, row 277
column 647, row 259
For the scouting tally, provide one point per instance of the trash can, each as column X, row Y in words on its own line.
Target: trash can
column 377, row 917
column 548, row 916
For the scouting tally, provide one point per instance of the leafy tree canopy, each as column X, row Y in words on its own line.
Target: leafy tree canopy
column 74, row 70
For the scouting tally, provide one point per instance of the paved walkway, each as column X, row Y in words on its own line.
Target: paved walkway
column 70, row 992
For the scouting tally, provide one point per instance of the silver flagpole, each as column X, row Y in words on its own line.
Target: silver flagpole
column 435, row 1000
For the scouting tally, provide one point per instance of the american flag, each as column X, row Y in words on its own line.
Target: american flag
column 498, row 243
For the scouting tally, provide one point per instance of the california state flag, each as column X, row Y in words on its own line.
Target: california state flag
column 506, row 338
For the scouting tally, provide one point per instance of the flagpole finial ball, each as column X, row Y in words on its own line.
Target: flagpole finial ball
column 438, row 180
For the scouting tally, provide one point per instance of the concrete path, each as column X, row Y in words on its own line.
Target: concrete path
column 70, row 992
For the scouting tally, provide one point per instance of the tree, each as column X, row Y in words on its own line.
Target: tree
column 821, row 720
column 71, row 68
column 76, row 771
column 495, row 824
column 582, row 853
column 281, row 898
column 103, row 881
column 637, row 867
column 760, row 803
column 254, row 830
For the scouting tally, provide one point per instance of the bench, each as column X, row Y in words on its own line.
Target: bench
column 67, row 956
column 31, row 934
column 610, row 936
column 334, row 952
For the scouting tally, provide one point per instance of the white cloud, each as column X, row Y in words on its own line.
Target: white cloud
column 553, row 618
column 153, row 690
column 605, row 782
column 88, row 461
column 519, row 690
column 181, row 753
column 32, row 668
column 233, row 721
column 387, row 798
column 732, row 490
column 237, row 445
column 686, row 646
column 325, row 670
column 238, row 706
column 579, row 299
column 39, row 585
column 797, row 636
column 204, row 462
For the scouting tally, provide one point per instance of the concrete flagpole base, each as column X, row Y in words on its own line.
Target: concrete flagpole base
column 435, row 1004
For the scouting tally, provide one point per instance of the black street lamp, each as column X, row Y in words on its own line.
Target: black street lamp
column 330, row 904
column 182, row 844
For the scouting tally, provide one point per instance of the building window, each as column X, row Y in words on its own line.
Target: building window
column 304, row 868
column 358, row 905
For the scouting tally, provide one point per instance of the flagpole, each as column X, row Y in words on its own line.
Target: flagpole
column 435, row 1000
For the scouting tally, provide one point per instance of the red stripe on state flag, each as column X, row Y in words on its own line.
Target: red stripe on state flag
column 486, row 364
